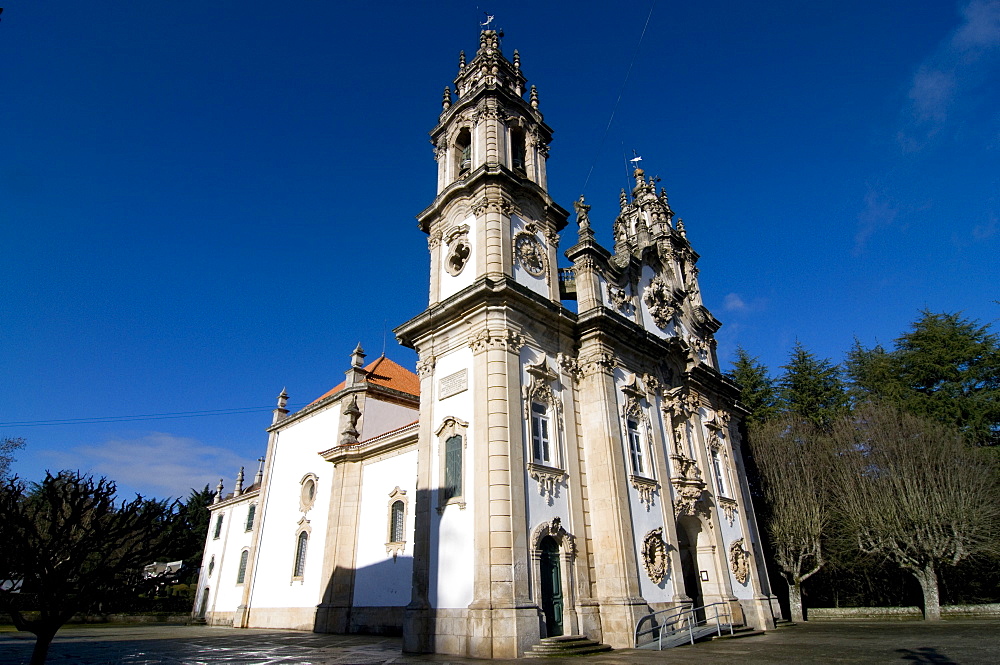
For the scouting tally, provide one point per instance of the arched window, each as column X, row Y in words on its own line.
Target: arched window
column 241, row 574
column 398, row 518
column 251, row 513
column 517, row 150
column 463, row 152
column 300, row 554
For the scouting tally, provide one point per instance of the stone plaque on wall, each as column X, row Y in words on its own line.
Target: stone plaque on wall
column 453, row 384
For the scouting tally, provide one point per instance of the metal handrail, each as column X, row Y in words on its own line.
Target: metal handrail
column 684, row 618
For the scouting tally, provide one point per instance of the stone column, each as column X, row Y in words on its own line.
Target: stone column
column 616, row 568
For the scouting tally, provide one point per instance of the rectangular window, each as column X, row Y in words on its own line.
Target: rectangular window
column 251, row 513
column 452, row 467
column 218, row 528
column 540, row 433
column 720, row 482
column 635, row 447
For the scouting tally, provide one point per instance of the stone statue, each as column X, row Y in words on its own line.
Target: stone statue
column 582, row 213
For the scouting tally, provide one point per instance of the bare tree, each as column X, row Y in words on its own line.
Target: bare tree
column 7, row 447
column 911, row 490
column 67, row 545
column 794, row 463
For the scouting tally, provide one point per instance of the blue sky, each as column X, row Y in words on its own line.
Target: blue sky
column 204, row 202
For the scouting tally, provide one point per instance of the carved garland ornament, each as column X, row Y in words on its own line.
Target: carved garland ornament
column 654, row 556
column 739, row 561
column 659, row 300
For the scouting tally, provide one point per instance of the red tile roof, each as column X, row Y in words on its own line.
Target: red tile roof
column 386, row 373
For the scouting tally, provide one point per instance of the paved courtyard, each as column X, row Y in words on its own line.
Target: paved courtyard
column 965, row 642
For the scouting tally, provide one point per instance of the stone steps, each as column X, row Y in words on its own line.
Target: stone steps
column 565, row 645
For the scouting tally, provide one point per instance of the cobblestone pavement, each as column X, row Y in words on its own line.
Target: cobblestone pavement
column 966, row 642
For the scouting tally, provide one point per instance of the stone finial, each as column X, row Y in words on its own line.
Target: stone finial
column 461, row 62
column 350, row 434
column 680, row 227
column 358, row 356
column 258, row 479
column 534, row 97
column 517, row 61
column 623, row 199
column 238, row 490
column 446, row 99
column 218, row 492
column 281, row 411
column 282, row 399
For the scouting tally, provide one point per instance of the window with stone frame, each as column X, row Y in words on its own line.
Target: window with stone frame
column 251, row 514
column 541, row 444
column 636, row 446
column 396, row 536
column 301, row 544
column 241, row 573
column 720, row 477
column 218, row 528
column 307, row 492
column 451, row 451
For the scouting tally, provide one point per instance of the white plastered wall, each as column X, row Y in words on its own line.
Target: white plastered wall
column 225, row 595
column 451, row 551
column 380, row 417
column 383, row 579
column 295, row 456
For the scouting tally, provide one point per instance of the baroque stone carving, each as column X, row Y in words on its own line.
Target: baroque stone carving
column 554, row 528
column 728, row 509
column 496, row 339
column 646, row 487
column 594, row 363
column 457, row 241
column 548, row 479
column 425, row 366
column 739, row 561
column 620, row 299
column 530, row 254
column 660, row 301
column 654, row 556
column 492, row 204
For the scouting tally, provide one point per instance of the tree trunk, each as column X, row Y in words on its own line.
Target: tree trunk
column 795, row 601
column 929, row 585
column 43, row 640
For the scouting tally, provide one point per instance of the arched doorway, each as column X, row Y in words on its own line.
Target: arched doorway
column 203, row 608
column 550, row 575
column 687, row 548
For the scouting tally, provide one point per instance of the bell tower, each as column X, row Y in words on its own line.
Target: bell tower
column 493, row 309
column 492, row 216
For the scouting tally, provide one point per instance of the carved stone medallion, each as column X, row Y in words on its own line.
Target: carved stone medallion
column 457, row 241
column 739, row 561
column 660, row 302
column 654, row 555
column 530, row 253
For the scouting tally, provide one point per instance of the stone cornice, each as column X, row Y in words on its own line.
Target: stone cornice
column 484, row 292
column 233, row 500
column 385, row 393
column 392, row 440
column 482, row 178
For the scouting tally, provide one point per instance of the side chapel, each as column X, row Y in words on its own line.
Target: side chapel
column 544, row 471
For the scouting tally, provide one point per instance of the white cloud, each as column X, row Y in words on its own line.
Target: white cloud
column 734, row 303
column 878, row 214
column 155, row 465
column 956, row 67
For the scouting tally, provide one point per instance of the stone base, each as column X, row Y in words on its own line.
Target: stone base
column 291, row 618
column 758, row 612
column 473, row 632
column 618, row 621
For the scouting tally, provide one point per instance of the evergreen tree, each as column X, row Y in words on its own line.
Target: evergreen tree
column 811, row 388
column 945, row 367
column 7, row 447
column 757, row 392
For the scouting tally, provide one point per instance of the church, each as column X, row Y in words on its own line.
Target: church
column 566, row 457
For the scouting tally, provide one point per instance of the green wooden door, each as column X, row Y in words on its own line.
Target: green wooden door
column 551, row 591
